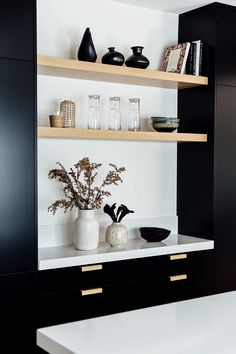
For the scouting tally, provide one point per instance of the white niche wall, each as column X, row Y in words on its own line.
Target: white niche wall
column 149, row 186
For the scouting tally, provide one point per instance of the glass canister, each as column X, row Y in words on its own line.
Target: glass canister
column 94, row 112
column 114, row 113
column 67, row 109
column 134, row 114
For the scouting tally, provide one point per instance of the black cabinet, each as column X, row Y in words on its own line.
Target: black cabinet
column 18, row 236
column 224, row 187
column 206, row 174
column 225, row 45
column 18, row 29
column 121, row 286
column 18, row 246
column 18, row 299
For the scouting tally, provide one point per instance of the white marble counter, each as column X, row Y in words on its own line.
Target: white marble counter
column 200, row 326
column 67, row 256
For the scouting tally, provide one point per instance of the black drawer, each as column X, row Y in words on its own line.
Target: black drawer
column 73, row 278
column 190, row 262
column 56, row 308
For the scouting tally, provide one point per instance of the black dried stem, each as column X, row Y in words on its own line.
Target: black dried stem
column 79, row 188
column 120, row 213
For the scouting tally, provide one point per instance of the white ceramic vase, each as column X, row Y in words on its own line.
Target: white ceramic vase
column 86, row 233
column 116, row 235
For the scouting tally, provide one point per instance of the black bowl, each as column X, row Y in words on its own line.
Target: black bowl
column 154, row 234
column 165, row 124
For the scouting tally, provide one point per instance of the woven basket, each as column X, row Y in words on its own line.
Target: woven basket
column 67, row 109
column 57, row 121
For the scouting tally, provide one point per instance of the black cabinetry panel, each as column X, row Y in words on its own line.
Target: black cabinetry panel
column 17, row 304
column 207, row 174
column 224, row 187
column 225, row 46
column 17, row 29
column 18, row 251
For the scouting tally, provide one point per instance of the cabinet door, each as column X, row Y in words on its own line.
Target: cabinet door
column 225, row 45
column 17, row 306
column 225, row 188
column 17, row 29
column 18, row 251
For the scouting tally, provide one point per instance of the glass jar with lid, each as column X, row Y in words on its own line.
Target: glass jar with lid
column 94, row 112
column 134, row 114
column 114, row 113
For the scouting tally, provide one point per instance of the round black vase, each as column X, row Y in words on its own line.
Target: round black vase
column 113, row 57
column 137, row 59
column 86, row 50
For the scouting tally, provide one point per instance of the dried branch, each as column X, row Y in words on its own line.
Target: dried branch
column 79, row 188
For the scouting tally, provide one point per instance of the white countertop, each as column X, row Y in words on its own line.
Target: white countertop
column 200, row 326
column 67, row 256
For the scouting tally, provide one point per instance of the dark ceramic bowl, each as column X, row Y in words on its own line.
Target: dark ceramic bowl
column 165, row 124
column 154, row 234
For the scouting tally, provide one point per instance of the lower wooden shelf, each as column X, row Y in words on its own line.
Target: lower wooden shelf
column 75, row 133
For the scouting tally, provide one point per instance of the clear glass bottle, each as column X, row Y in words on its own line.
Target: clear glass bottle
column 134, row 114
column 94, row 112
column 114, row 113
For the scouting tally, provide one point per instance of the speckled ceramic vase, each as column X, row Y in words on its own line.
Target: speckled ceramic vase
column 116, row 235
column 86, row 234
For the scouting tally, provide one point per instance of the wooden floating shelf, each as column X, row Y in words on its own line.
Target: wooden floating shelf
column 110, row 73
column 75, row 133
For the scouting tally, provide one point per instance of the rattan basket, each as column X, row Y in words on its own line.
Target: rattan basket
column 57, row 121
column 67, row 109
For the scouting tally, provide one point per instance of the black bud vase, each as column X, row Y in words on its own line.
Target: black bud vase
column 113, row 57
column 86, row 50
column 137, row 59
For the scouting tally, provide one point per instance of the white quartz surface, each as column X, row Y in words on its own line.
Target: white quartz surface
column 200, row 326
column 67, row 256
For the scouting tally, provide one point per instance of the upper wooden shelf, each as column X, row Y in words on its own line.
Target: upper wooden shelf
column 75, row 133
column 119, row 74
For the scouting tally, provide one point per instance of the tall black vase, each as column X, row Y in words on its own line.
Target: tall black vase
column 137, row 59
column 86, row 50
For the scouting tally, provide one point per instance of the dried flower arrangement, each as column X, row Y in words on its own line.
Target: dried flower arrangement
column 117, row 216
column 83, row 195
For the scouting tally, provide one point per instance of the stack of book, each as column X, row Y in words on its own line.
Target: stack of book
column 184, row 58
column 194, row 62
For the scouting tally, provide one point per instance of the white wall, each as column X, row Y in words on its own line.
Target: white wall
column 150, row 180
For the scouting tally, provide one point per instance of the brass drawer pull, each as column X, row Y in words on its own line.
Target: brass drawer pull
column 174, row 257
column 91, row 268
column 91, row 291
column 178, row 277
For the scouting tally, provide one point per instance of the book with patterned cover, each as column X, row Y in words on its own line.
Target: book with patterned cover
column 175, row 58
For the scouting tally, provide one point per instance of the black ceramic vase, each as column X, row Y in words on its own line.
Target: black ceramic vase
column 137, row 59
column 86, row 50
column 113, row 57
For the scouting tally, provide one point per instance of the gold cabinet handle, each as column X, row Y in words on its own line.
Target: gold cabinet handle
column 91, row 268
column 175, row 257
column 91, row 291
column 178, row 277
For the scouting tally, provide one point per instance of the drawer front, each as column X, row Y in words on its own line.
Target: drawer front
column 190, row 262
column 73, row 278
column 56, row 308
